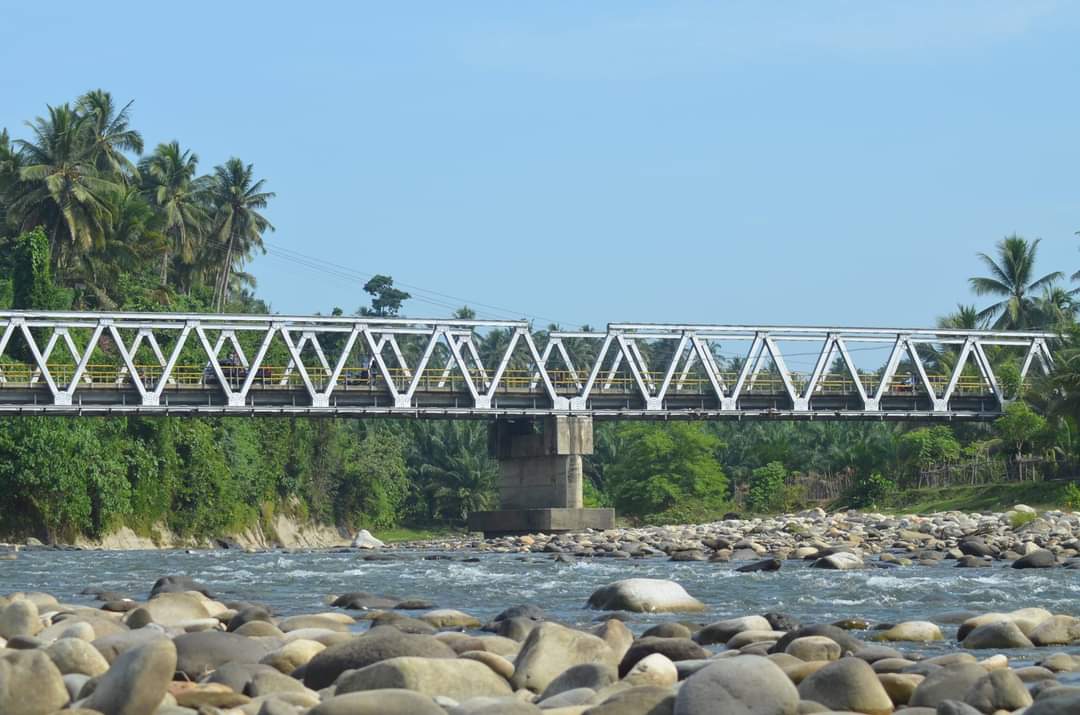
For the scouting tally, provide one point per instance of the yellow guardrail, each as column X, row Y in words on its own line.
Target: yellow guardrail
column 433, row 379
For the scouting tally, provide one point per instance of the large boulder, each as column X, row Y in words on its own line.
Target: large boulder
column 1057, row 630
column 915, row 631
column 204, row 651
column 1064, row 703
column 743, row 685
column 377, row 644
column 364, row 540
column 113, row 646
column 847, row 684
column 949, row 683
column 590, row 676
column 550, row 649
column 293, row 654
column 674, row 649
column 378, row 702
column 1038, row 559
column 460, row 678
column 840, row 561
column 20, row 619
column 178, row 584
column 847, row 642
column 639, row 700
column 169, row 609
column 136, row 682
column 722, row 631
column 997, row 635
column 74, row 655
column 645, row 595
column 999, row 689
column 30, row 684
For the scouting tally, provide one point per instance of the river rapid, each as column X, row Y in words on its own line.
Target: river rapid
column 300, row 582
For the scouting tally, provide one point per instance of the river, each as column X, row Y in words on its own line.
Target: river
column 299, row 582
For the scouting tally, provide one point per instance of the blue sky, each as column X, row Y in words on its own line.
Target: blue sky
column 594, row 162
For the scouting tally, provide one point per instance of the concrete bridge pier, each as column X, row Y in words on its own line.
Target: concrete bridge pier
column 540, row 477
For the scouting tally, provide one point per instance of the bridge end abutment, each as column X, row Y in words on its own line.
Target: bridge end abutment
column 540, row 478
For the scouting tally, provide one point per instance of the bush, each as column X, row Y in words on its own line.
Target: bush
column 869, row 491
column 767, row 492
column 1021, row 518
column 1072, row 497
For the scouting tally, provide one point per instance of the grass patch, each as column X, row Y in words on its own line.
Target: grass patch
column 406, row 533
column 1020, row 518
column 985, row 497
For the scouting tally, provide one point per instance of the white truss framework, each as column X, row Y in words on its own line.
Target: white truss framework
column 362, row 365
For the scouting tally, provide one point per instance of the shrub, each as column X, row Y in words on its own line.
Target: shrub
column 1072, row 497
column 767, row 491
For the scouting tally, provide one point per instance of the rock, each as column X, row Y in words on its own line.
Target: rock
column 527, row 610
column 19, row 619
column 770, row 564
column 504, row 705
column 364, row 601
column 460, row 678
column 377, row 644
column 810, row 648
column 743, row 685
column 998, row 690
column 292, row 655
column 500, row 665
column 74, row 655
column 30, row 684
column 449, row 618
column 517, row 628
column 251, row 614
column 997, row 635
column 260, row 629
column 137, row 680
column 198, row 696
column 170, row 609
column 673, row 648
column 570, row 698
column 615, row 633
column 641, row 700
column 955, row 707
column 668, row 630
column 644, row 595
column 1038, row 559
column 1066, row 703
column 722, row 631
column 378, row 702
column 364, row 540
column 199, row 653
column 550, row 649
column 847, row 684
column 840, row 561
column 113, row 646
column 594, row 676
column 326, row 623
column 178, row 584
column 848, row 643
column 949, row 683
column 914, row 631
column 655, row 669
column 1057, row 630
column 899, row 686
column 271, row 682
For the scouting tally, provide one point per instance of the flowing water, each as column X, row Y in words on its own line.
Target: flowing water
column 299, row 582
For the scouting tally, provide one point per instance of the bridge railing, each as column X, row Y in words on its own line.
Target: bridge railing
column 63, row 358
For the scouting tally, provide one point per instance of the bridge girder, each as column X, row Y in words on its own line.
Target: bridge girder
column 434, row 368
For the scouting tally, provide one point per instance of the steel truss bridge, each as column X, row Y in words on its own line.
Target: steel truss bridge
column 163, row 363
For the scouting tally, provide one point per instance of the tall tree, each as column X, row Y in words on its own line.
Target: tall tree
column 60, row 187
column 169, row 180
column 109, row 133
column 1011, row 279
column 236, row 197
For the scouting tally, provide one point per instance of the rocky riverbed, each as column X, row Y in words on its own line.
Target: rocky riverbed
column 843, row 541
column 183, row 650
column 794, row 614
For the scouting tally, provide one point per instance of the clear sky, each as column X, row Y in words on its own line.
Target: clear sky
column 593, row 162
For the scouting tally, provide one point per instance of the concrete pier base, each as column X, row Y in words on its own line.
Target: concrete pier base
column 540, row 478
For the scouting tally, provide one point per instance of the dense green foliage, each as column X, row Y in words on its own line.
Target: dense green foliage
column 88, row 221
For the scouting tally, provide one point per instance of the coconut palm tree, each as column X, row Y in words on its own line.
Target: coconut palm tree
column 59, row 185
column 109, row 133
column 1011, row 279
column 236, row 198
column 170, row 184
